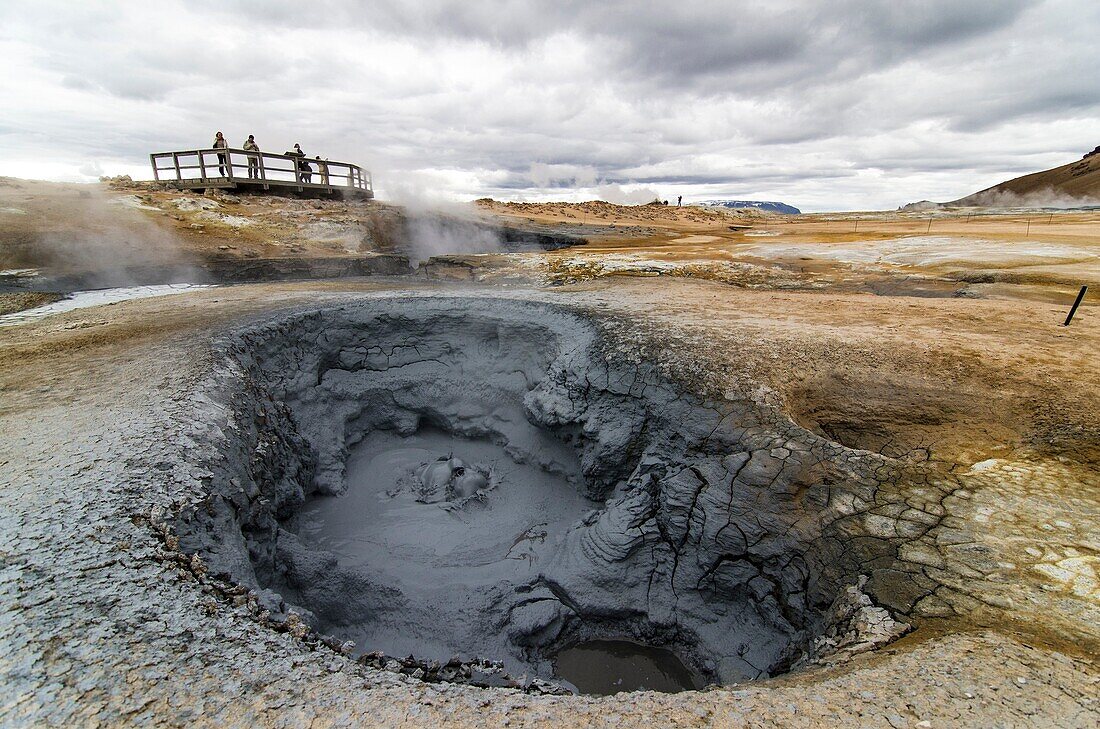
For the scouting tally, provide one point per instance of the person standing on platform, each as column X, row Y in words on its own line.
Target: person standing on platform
column 253, row 159
column 304, row 170
column 223, row 158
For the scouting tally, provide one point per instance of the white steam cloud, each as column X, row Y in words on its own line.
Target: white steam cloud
column 1048, row 198
column 621, row 196
column 432, row 233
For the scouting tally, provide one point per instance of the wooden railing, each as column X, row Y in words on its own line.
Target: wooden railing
column 217, row 167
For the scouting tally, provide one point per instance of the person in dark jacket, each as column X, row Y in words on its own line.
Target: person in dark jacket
column 305, row 172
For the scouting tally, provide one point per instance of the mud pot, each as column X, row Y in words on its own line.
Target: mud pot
column 457, row 480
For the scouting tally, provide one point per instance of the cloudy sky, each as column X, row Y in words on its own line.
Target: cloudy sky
column 845, row 104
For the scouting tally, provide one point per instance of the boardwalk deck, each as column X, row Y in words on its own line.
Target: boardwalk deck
column 236, row 169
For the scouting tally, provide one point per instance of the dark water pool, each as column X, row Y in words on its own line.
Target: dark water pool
column 606, row 667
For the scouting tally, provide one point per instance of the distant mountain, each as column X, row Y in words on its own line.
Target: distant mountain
column 919, row 207
column 1072, row 185
column 773, row 207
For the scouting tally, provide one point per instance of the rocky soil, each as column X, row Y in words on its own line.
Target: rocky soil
column 115, row 420
column 13, row 302
column 844, row 465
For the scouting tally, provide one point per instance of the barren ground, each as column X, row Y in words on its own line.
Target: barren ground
column 938, row 345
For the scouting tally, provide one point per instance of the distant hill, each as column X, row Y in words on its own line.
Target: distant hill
column 1072, row 185
column 921, row 206
column 774, row 207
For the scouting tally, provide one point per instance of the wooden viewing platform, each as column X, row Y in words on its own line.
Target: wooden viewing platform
column 199, row 169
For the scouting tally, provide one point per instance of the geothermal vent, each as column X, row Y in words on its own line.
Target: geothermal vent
column 458, row 479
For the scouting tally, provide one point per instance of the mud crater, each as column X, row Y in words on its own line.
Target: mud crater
column 474, row 478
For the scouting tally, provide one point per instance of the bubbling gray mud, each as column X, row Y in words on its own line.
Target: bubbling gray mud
column 446, row 553
column 480, row 478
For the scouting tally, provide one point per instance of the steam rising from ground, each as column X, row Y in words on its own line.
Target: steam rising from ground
column 83, row 229
column 619, row 195
column 437, row 225
column 1048, row 198
column 434, row 232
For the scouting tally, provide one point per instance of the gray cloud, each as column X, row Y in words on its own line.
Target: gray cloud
column 845, row 104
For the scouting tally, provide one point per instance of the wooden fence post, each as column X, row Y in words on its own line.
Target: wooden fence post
column 1076, row 303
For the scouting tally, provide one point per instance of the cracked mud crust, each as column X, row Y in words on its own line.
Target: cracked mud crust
column 106, row 422
column 714, row 527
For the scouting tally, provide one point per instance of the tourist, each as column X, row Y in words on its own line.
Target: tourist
column 679, row 199
column 253, row 159
column 223, row 158
column 322, row 169
column 305, row 172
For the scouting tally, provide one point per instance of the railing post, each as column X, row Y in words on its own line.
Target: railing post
column 229, row 164
column 153, row 161
column 202, row 166
column 176, row 162
column 263, row 170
